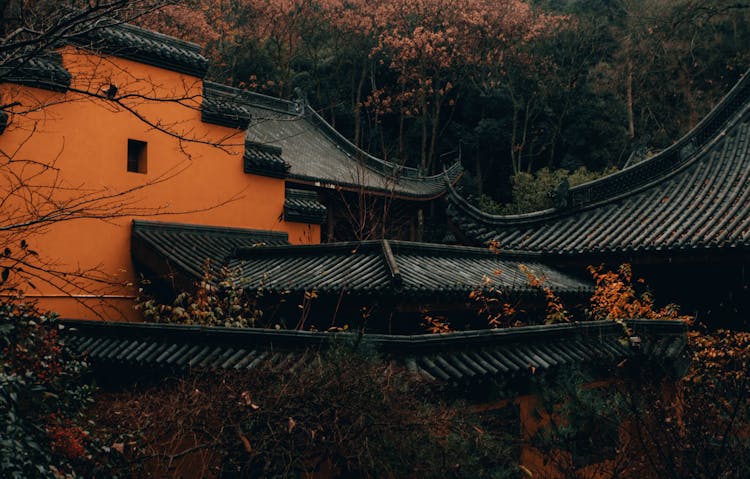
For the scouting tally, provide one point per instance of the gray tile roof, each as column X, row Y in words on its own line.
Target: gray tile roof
column 222, row 105
column 303, row 206
column 394, row 269
column 145, row 46
column 316, row 153
column 265, row 160
column 448, row 358
column 40, row 70
column 187, row 248
column 692, row 196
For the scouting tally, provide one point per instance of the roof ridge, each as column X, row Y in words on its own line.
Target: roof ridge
column 125, row 40
column 139, row 225
column 509, row 335
column 255, row 99
column 451, row 176
column 423, row 247
column 393, row 246
column 352, row 246
column 391, row 263
column 155, row 35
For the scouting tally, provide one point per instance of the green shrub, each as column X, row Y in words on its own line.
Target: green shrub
column 42, row 396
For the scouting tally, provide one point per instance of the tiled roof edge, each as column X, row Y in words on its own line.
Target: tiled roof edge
column 39, row 70
column 264, row 160
column 402, row 344
column 222, row 105
column 450, row 176
column 153, row 243
column 146, row 224
column 134, row 43
column 302, row 206
column 273, row 103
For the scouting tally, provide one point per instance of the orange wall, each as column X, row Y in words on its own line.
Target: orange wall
column 194, row 174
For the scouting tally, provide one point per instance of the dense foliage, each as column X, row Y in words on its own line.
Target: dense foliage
column 344, row 411
column 347, row 412
column 43, row 433
column 216, row 300
column 517, row 86
column 648, row 424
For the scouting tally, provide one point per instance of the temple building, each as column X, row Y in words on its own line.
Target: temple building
column 681, row 217
column 386, row 285
column 360, row 197
column 121, row 162
column 119, row 124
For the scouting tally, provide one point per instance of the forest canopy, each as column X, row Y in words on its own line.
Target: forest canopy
column 515, row 86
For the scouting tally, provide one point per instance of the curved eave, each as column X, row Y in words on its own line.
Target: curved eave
column 375, row 164
column 386, row 179
column 667, row 163
column 703, row 211
column 691, row 148
column 449, row 178
column 467, row 209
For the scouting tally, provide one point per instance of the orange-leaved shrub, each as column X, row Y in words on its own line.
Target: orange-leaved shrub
column 556, row 312
column 494, row 305
column 615, row 297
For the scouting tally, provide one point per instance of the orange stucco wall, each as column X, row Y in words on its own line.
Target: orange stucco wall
column 76, row 149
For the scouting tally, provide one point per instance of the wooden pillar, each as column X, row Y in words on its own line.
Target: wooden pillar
column 331, row 221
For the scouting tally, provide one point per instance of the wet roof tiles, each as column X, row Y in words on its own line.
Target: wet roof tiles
column 394, row 269
column 694, row 195
column 451, row 358
column 316, row 154
column 189, row 247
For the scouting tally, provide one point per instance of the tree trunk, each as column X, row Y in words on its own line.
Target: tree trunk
column 480, row 182
column 401, row 145
column 631, row 115
column 423, row 146
column 526, row 120
column 433, row 136
column 515, row 158
column 358, row 105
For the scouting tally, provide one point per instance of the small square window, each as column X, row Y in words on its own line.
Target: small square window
column 137, row 156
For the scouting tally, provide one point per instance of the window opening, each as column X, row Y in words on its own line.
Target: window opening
column 137, row 156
